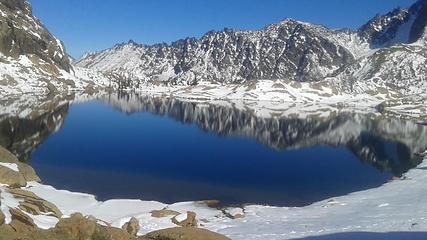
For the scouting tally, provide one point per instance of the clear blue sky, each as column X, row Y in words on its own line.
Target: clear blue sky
column 89, row 25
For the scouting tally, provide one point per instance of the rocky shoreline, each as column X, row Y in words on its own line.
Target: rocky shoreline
column 21, row 220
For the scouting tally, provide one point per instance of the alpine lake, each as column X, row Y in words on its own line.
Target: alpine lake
column 129, row 146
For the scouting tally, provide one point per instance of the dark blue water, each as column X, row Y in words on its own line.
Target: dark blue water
column 142, row 155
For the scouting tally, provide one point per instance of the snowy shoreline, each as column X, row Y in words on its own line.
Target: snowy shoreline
column 399, row 205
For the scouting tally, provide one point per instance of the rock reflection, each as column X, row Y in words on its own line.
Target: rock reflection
column 389, row 144
column 22, row 135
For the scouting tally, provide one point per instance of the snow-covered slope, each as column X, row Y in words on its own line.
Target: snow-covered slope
column 402, row 68
column 32, row 60
column 399, row 57
column 385, row 54
column 398, row 26
column 288, row 50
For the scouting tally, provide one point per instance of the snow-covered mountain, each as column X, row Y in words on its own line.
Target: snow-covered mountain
column 399, row 56
column 387, row 53
column 32, row 60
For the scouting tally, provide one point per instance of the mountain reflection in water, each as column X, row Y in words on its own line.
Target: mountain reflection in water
column 288, row 171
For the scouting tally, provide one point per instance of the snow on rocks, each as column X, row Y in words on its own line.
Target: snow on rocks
column 11, row 166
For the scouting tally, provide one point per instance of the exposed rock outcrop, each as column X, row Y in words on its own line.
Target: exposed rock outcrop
column 185, row 234
column 2, row 217
column 23, row 34
column 13, row 172
column 189, row 220
column 34, row 205
column 164, row 213
column 19, row 217
column 132, row 227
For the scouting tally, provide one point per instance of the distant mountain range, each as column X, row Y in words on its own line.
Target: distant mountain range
column 388, row 52
column 385, row 58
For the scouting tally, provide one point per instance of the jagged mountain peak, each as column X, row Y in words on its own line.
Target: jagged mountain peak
column 399, row 26
column 287, row 50
column 22, row 5
column 383, row 29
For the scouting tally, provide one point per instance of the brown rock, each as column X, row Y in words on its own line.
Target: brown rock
column 6, row 156
column 238, row 216
column 8, row 233
column 114, row 234
column 86, row 228
column 28, row 173
column 76, row 227
column 2, row 218
column 210, row 203
column 19, row 216
column 22, row 229
column 190, row 221
column 34, row 204
column 132, row 227
column 164, row 213
column 185, row 234
column 13, row 178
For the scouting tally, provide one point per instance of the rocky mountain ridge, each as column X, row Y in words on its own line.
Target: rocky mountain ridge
column 33, row 60
column 23, row 34
column 353, row 60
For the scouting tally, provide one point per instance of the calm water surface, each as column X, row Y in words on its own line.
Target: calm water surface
column 167, row 150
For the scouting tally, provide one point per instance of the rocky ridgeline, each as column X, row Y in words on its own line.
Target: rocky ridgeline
column 15, row 175
column 23, row 34
column 34, row 61
column 360, row 60
column 383, row 29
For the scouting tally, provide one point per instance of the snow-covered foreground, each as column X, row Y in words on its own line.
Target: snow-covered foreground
column 398, row 206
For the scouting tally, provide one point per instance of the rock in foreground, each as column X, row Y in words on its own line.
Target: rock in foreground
column 185, row 234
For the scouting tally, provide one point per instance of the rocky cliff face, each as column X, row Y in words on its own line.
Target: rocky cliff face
column 289, row 50
column 398, row 26
column 23, row 34
column 34, row 61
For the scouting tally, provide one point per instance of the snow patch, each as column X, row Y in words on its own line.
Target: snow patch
column 12, row 166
